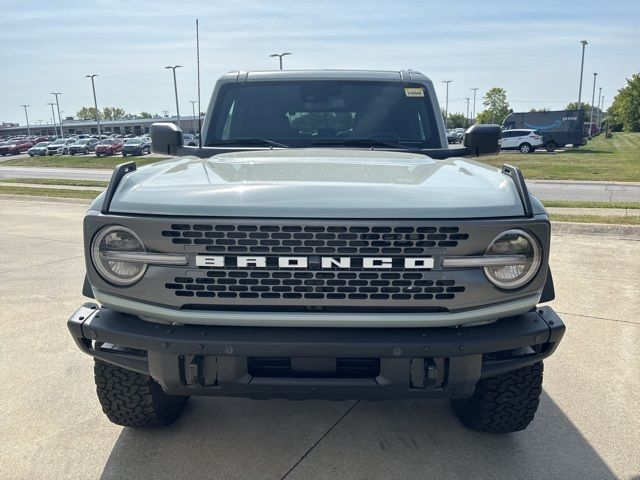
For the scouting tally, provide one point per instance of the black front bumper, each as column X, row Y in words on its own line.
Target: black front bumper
column 335, row 363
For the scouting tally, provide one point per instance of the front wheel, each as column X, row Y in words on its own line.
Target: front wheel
column 551, row 146
column 97, row 154
column 124, row 154
column 132, row 399
column 65, row 152
column 504, row 403
column 86, row 151
column 525, row 148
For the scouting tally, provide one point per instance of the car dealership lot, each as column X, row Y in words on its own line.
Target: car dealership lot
column 52, row 426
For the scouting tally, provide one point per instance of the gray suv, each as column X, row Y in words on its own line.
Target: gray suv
column 323, row 242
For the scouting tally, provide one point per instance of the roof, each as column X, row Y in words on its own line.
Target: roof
column 328, row 74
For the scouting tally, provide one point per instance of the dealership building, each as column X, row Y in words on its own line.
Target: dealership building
column 137, row 126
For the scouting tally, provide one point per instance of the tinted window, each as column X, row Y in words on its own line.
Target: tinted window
column 298, row 113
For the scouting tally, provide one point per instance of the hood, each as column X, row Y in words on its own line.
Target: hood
column 318, row 183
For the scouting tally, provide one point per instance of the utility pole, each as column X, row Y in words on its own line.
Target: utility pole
column 193, row 110
column 280, row 55
column 95, row 102
column 446, row 104
column 599, row 107
column 53, row 117
column 59, row 116
column 27, row 117
column 584, row 44
column 175, row 88
column 593, row 99
column 466, row 118
column 474, row 104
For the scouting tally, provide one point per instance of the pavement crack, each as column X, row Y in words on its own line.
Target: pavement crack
column 598, row 318
column 320, row 439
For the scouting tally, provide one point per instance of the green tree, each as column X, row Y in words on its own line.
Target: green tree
column 497, row 107
column 457, row 120
column 88, row 113
column 113, row 113
column 587, row 110
column 625, row 110
column 145, row 115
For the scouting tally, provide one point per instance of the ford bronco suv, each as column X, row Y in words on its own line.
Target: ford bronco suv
column 323, row 241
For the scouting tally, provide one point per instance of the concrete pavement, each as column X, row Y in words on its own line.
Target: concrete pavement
column 52, row 427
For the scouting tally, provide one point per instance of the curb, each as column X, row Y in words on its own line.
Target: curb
column 570, row 228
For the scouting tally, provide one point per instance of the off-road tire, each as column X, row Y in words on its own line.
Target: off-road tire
column 504, row 403
column 132, row 399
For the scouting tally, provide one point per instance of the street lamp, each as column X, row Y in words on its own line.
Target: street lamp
column 280, row 55
column 53, row 117
column 446, row 104
column 584, row 44
column 593, row 98
column 193, row 110
column 474, row 104
column 175, row 87
column 27, row 116
column 95, row 102
column 599, row 107
column 466, row 118
column 59, row 116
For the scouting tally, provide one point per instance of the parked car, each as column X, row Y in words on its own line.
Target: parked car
column 451, row 137
column 60, row 146
column 109, row 146
column 136, row 146
column 190, row 140
column 39, row 149
column 83, row 146
column 15, row 147
column 525, row 140
column 459, row 134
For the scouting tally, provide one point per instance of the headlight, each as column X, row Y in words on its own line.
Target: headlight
column 525, row 251
column 108, row 252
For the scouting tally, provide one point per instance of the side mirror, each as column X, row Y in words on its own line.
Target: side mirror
column 166, row 138
column 483, row 139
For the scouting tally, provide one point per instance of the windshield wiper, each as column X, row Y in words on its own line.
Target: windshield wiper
column 246, row 141
column 365, row 142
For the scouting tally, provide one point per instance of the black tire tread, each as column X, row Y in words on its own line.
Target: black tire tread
column 504, row 403
column 132, row 399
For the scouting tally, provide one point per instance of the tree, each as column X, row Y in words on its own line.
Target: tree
column 113, row 113
column 145, row 115
column 497, row 106
column 587, row 110
column 69, row 118
column 457, row 120
column 625, row 109
column 543, row 109
column 88, row 113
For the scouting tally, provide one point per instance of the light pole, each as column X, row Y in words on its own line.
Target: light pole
column 467, row 116
column 193, row 110
column 95, row 102
column 53, row 117
column 584, row 44
column 599, row 107
column 446, row 104
column 175, row 87
column 280, row 55
column 593, row 99
column 474, row 104
column 59, row 116
column 27, row 116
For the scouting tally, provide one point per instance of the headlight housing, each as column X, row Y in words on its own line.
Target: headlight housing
column 515, row 243
column 110, row 243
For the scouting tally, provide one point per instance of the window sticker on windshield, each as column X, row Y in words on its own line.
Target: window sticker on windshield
column 414, row 92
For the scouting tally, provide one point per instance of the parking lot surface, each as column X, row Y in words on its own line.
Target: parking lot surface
column 51, row 424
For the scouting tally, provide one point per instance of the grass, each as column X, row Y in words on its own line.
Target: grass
column 589, row 204
column 611, row 159
column 58, row 181
column 84, row 161
column 48, row 192
column 630, row 220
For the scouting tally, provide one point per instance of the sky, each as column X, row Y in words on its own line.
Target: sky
column 531, row 49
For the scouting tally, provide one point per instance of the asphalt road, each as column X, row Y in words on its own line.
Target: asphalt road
column 52, row 427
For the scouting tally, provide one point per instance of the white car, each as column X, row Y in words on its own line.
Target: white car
column 39, row 149
column 525, row 140
column 60, row 146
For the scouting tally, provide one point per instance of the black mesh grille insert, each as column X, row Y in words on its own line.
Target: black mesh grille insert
column 314, row 239
column 344, row 368
column 315, row 285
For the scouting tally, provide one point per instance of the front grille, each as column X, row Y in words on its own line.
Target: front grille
column 282, row 367
column 315, row 285
column 314, row 239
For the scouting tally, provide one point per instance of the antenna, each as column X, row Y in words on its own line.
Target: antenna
column 198, row 68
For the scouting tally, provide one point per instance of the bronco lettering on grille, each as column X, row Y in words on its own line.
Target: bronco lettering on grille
column 316, row 262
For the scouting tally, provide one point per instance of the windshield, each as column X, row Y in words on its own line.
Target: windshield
column 60, row 141
column 304, row 113
column 133, row 141
column 41, row 144
column 82, row 141
column 106, row 141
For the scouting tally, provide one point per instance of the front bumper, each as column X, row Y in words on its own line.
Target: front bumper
column 334, row 363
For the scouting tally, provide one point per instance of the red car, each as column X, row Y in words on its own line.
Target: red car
column 109, row 146
column 14, row 147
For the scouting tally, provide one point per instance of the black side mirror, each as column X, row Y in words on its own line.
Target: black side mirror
column 483, row 139
column 166, row 138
